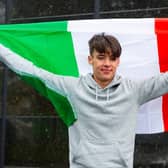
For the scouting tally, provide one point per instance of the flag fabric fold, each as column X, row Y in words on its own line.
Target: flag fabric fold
column 62, row 48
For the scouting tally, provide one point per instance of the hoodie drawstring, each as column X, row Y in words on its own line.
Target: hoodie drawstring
column 107, row 94
column 96, row 93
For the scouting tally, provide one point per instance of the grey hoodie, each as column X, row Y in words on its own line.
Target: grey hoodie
column 103, row 136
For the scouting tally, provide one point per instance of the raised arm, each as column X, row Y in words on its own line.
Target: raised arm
column 152, row 88
column 24, row 67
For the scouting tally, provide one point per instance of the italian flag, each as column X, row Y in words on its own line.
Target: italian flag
column 62, row 48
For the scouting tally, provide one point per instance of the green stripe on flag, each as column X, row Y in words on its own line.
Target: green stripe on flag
column 49, row 46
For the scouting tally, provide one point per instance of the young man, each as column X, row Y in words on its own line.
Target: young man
column 106, row 106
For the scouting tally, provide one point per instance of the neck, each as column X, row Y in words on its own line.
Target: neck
column 102, row 84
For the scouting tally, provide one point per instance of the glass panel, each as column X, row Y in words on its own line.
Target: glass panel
column 37, row 142
column 1, row 76
column 151, row 150
column 111, row 5
column 2, row 11
column 134, row 8
column 24, row 100
column 23, row 9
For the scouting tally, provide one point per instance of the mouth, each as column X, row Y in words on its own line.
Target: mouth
column 106, row 71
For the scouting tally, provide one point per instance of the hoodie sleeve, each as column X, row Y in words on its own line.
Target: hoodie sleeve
column 152, row 88
column 61, row 84
column 22, row 66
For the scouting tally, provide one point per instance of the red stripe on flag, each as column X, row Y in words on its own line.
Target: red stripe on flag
column 161, row 29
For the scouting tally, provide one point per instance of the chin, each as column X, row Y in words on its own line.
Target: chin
column 107, row 78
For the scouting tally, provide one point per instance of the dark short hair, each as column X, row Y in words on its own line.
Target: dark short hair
column 102, row 43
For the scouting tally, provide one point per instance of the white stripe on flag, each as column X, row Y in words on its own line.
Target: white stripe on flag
column 120, row 26
column 139, row 59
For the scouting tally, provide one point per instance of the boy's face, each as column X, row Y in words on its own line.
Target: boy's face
column 104, row 67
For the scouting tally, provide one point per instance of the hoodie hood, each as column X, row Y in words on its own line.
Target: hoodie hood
column 92, row 83
column 99, row 91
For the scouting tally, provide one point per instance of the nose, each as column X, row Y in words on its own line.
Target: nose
column 107, row 62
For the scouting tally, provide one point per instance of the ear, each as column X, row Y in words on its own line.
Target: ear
column 90, row 58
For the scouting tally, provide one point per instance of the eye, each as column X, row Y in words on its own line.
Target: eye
column 113, row 58
column 100, row 56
